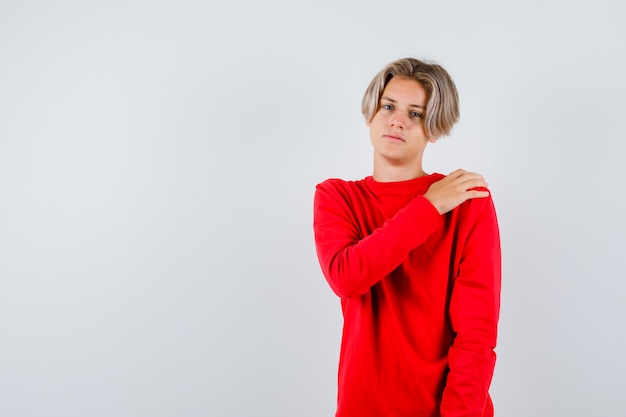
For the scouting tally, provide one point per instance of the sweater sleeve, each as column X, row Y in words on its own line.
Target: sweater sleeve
column 353, row 263
column 474, row 313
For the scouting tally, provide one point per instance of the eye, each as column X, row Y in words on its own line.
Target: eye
column 387, row 107
column 416, row 114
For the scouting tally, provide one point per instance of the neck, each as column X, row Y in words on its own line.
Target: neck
column 386, row 172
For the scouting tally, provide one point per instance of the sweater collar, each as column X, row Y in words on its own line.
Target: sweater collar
column 416, row 184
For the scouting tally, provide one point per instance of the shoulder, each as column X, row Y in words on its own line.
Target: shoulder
column 478, row 210
column 338, row 183
column 339, row 186
column 436, row 176
column 335, row 192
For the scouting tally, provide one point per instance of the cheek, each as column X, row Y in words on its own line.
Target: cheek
column 374, row 133
column 377, row 122
column 377, row 125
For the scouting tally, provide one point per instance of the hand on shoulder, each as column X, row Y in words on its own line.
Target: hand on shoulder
column 453, row 190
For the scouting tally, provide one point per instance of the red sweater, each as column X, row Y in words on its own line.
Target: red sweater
column 420, row 296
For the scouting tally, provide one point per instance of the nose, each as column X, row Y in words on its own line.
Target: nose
column 398, row 121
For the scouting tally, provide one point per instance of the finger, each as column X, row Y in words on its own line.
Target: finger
column 472, row 175
column 457, row 173
column 475, row 184
column 473, row 179
column 477, row 194
column 461, row 176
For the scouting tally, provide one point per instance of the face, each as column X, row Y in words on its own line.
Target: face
column 397, row 130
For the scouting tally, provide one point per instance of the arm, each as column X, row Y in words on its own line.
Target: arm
column 352, row 263
column 474, row 312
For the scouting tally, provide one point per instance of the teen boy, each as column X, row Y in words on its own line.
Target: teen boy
column 415, row 259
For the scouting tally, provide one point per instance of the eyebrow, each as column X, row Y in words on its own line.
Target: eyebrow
column 395, row 101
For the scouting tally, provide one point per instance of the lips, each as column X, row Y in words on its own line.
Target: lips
column 393, row 137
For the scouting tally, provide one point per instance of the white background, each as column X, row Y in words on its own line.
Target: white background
column 157, row 168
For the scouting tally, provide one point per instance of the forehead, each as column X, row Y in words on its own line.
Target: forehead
column 405, row 90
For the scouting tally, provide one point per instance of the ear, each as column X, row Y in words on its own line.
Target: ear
column 432, row 140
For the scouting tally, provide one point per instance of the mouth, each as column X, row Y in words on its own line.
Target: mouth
column 393, row 137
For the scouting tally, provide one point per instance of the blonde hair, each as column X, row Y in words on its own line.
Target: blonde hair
column 442, row 108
